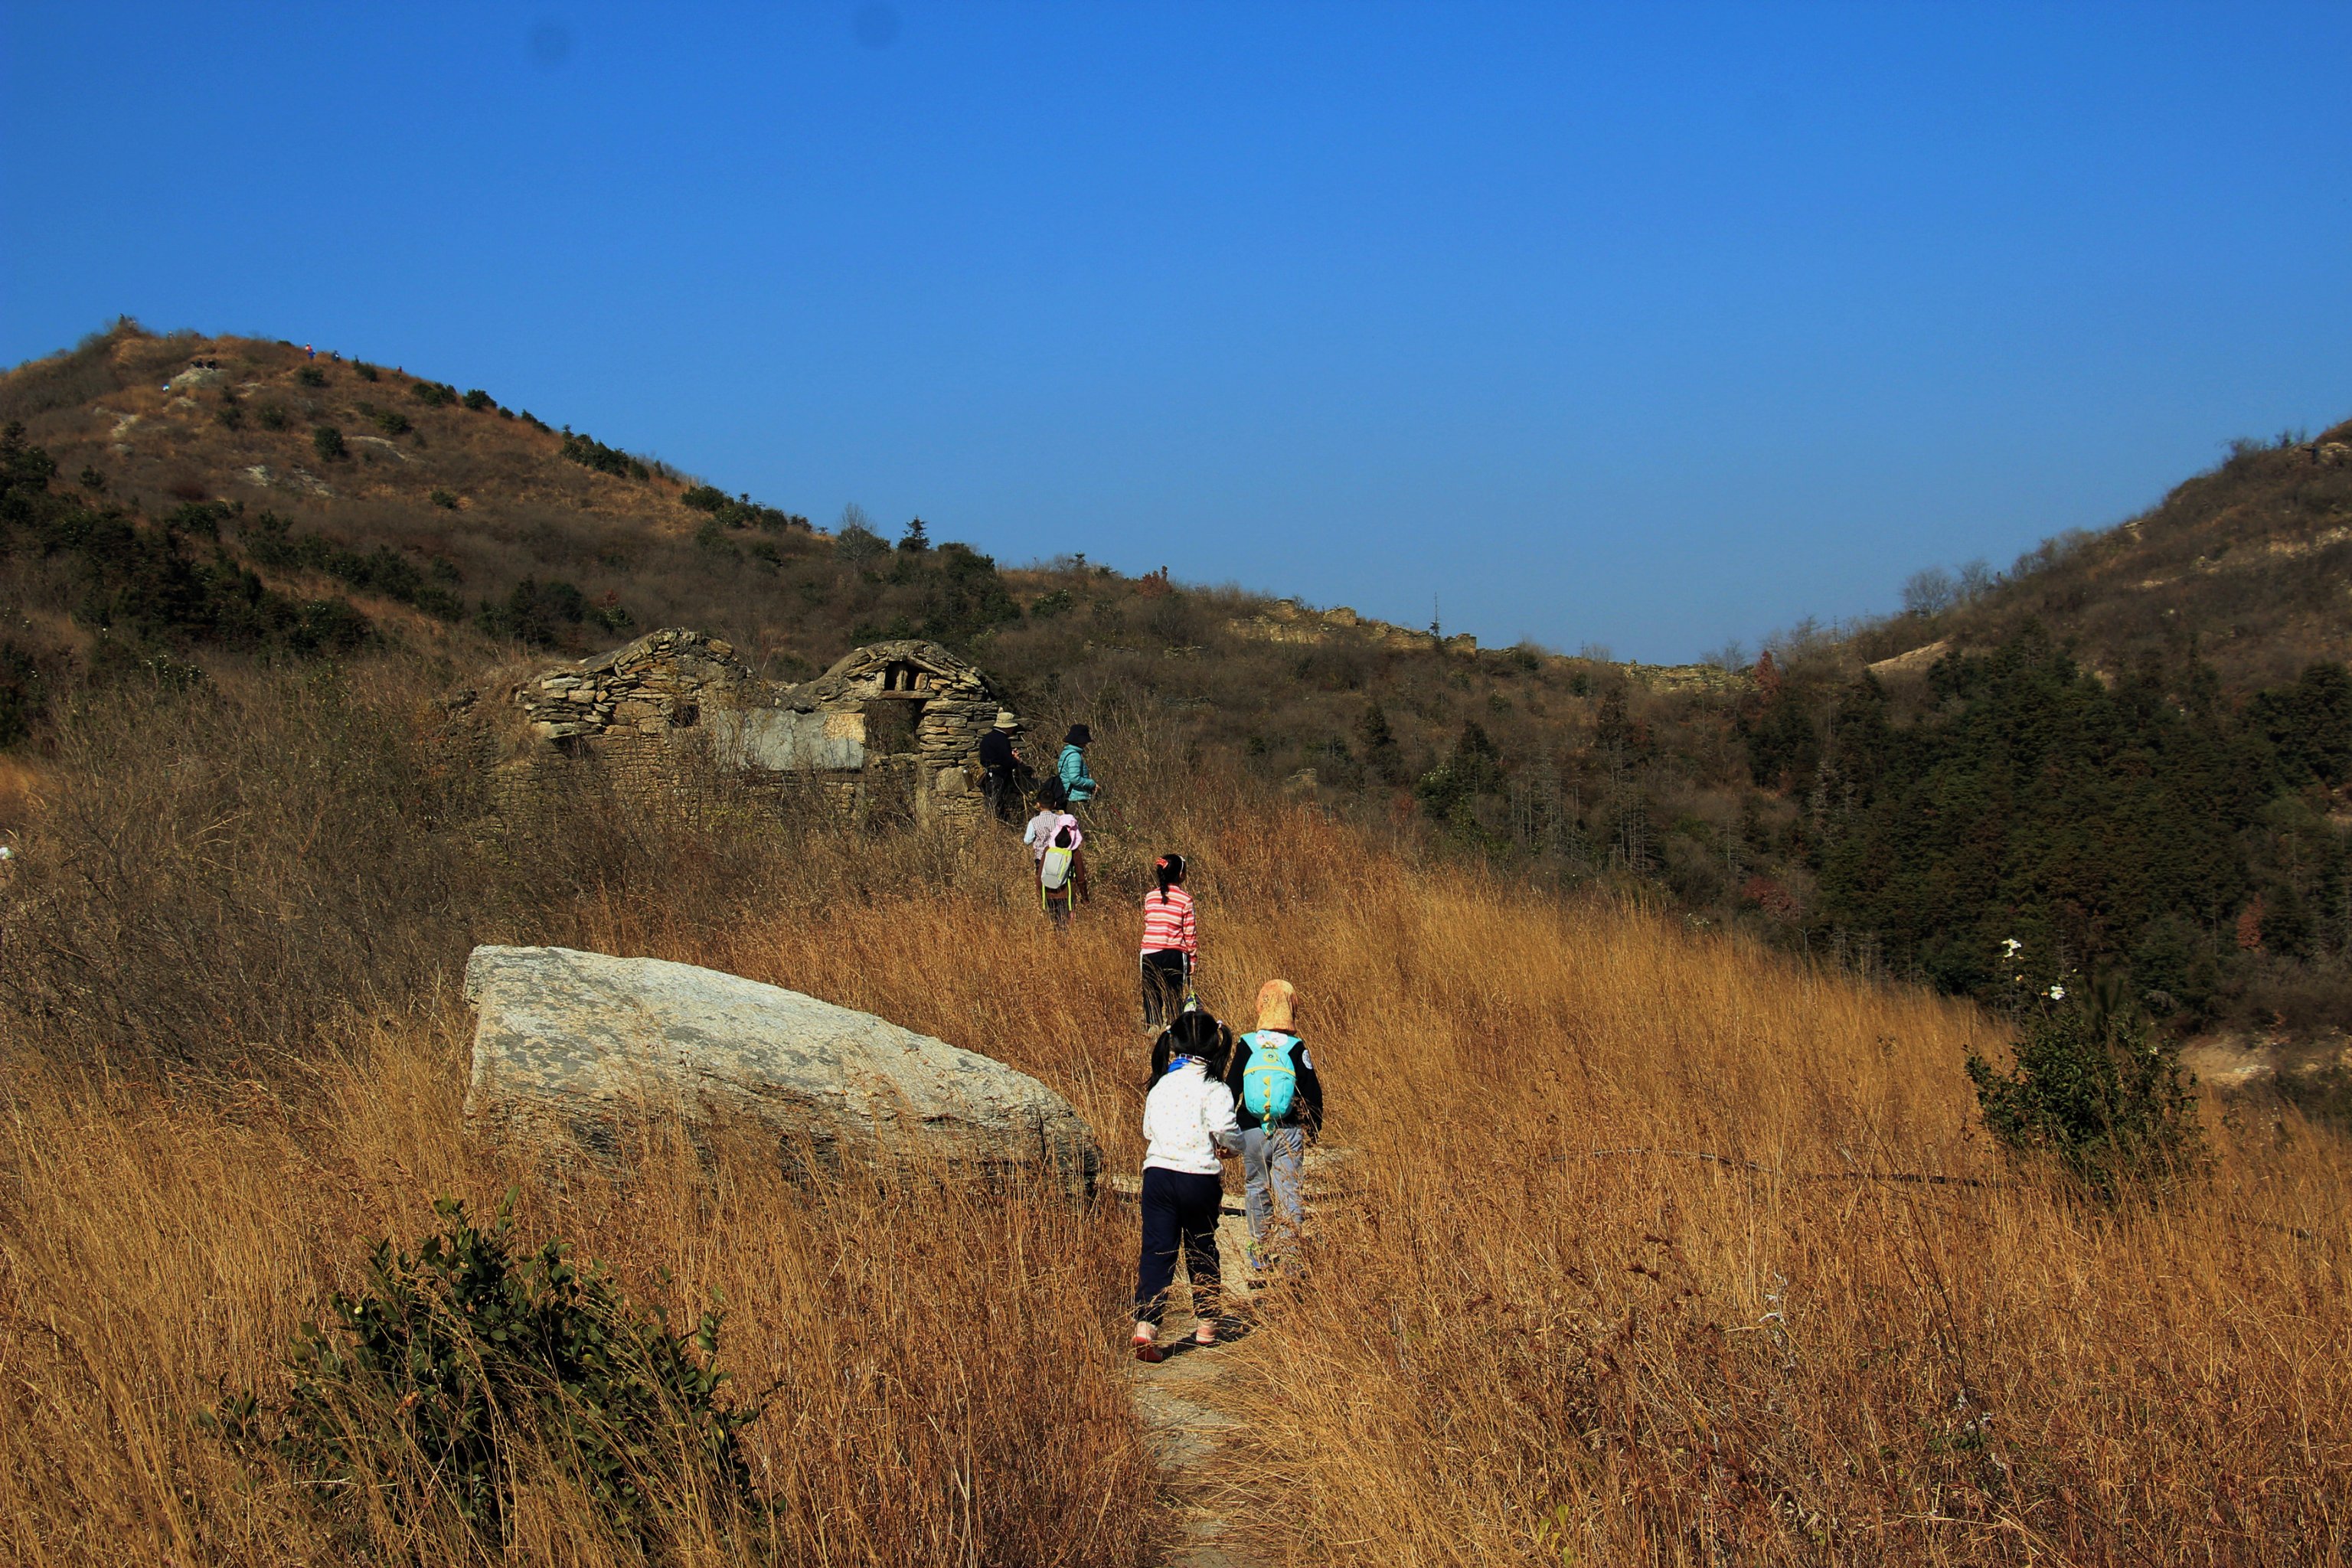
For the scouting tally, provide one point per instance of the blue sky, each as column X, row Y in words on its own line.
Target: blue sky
column 1640, row 325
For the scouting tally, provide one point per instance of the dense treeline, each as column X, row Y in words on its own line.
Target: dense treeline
column 2146, row 824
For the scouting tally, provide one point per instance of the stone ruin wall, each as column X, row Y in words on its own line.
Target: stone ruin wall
column 890, row 732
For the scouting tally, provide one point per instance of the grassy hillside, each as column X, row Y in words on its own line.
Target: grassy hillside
column 2178, row 812
column 2131, row 751
column 457, row 529
column 1635, row 1261
column 2251, row 560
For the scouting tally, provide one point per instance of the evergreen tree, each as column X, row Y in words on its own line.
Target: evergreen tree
column 1382, row 754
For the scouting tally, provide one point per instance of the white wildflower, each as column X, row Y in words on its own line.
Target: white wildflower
column 2057, row 994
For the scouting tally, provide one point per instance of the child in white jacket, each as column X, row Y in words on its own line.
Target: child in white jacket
column 1189, row 1126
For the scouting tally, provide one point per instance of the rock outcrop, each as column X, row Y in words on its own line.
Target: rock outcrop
column 581, row 1046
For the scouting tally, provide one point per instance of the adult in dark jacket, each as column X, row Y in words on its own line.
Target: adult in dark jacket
column 1274, row 1147
column 1000, row 766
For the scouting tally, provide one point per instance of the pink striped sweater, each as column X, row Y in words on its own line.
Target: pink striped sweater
column 1168, row 923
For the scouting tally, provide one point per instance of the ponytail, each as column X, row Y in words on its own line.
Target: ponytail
column 1170, row 871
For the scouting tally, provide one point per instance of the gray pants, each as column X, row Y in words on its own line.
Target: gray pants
column 1273, row 1189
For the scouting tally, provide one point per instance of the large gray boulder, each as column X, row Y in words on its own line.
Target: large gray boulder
column 580, row 1047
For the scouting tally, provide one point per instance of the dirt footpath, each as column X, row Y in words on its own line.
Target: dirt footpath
column 1191, row 1404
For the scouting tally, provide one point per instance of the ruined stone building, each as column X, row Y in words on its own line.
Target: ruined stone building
column 890, row 734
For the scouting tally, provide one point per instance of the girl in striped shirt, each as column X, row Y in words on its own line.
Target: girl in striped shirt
column 1171, row 945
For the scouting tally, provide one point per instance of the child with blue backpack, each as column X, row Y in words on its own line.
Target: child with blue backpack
column 1279, row 1103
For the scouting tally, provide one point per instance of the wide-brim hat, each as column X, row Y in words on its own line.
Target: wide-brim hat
column 1005, row 721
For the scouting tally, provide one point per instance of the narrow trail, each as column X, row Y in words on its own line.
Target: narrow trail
column 1192, row 1404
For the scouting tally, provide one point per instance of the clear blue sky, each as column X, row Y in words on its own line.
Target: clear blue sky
column 1643, row 325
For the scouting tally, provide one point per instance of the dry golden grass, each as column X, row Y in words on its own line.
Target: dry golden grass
column 1515, row 1343
column 944, row 1389
column 1652, row 1358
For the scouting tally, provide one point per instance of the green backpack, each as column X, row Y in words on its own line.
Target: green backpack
column 1269, row 1083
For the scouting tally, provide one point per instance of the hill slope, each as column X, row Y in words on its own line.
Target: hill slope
column 2251, row 560
column 1865, row 797
column 187, row 511
column 1731, row 1218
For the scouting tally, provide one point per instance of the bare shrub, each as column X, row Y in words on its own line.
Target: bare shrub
column 228, row 874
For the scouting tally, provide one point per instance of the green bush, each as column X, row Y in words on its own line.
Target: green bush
column 963, row 594
column 329, row 442
column 392, row 422
column 270, row 417
column 1451, row 792
column 1049, row 605
column 2096, row 1091
column 432, row 394
column 141, row 584
column 444, row 498
column 363, row 370
column 312, row 376
column 745, row 514
column 611, row 613
column 202, row 519
column 535, row 612
column 270, row 541
column 589, row 452
column 326, row 626
column 230, row 414
column 458, row 1367
column 478, row 400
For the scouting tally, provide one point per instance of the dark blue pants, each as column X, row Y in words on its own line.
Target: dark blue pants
column 1179, row 1210
column 1166, row 972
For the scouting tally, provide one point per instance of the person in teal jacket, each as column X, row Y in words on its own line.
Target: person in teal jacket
column 1078, row 785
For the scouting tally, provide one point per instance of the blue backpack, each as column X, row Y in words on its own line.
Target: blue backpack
column 1269, row 1083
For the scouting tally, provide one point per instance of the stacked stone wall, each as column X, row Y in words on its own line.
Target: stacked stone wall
column 653, row 717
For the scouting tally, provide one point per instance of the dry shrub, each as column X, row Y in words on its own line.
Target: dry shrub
column 228, row 876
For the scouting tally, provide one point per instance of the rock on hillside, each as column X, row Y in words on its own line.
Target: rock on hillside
column 582, row 1046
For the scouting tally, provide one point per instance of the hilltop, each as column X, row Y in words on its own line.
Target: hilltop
column 2250, row 561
